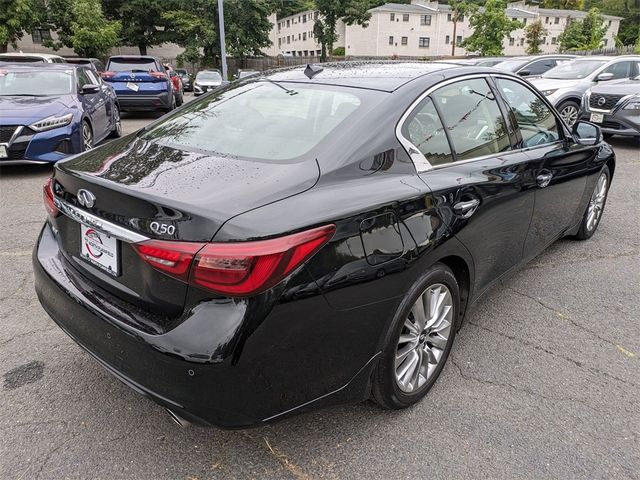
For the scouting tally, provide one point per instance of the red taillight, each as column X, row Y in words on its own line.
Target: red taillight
column 158, row 75
column 107, row 75
column 235, row 269
column 47, row 194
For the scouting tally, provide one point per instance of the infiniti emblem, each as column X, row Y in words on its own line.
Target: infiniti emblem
column 601, row 101
column 86, row 198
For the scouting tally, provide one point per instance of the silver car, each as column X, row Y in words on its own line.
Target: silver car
column 614, row 106
column 206, row 80
column 565, row 84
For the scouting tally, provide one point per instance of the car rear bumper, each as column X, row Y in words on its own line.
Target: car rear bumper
column 156, row 101
column 217, row 366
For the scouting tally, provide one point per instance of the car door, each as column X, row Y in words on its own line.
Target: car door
column 560, row 166
column 93, row 104
column 483, row 188
column 107, row 99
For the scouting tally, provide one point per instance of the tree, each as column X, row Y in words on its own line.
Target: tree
column 143, row 23
column 629, row 10
column 490, row 27
column 330, row 11
column 534, row 35
column 16, row 17
column 586, row 34
column 459, row 8
column 564, row 4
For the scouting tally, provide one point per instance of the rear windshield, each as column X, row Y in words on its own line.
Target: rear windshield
column 132, row 65
column 575, row 69
column 260, row 120
column 11, row 58
column 35, row 83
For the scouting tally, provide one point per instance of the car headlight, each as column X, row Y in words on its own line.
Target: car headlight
column 633, row 105
column 52, row 122
column 546, row 93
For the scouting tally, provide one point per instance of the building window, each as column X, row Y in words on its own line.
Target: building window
column 40, row 34
column 423, row 42
column 425, row 19
column 554, row 40
column 405, row 40
column 556, row 20
column 288, row 23
column 524, row 21
column 405, row 17
column 447, row 40
column 514, row 19
column 304, row 18
column 522, row 42
column 459, row 40
column 512, row 41
column 609, row 22
column 279, row 42
column 448, row 17
column 304, row 35
column 391, row 40
column 306, row 53
column 606, row 40
column 299, row 36
column 288, row 39
column 392, row 17
column 546, row 20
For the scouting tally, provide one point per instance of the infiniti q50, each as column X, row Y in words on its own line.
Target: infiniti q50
column 311, row 236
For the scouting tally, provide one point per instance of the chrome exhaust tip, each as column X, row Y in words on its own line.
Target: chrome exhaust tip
column 177, row 419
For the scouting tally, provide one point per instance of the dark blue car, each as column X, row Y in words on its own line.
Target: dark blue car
column 51, row 111
column 141, row 83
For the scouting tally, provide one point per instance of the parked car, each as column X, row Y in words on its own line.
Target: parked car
column 49, row 112
column 565, row 84
column 95, row 63
column 140, row 82
column 533, row 65
column 615, row 106
column 206, row 80
column 478, row 61
column 246, row 73
column 19, row 57
column 187, row 84
column 176, row 82
column 216, row 261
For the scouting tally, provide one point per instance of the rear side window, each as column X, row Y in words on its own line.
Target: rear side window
column 541, row 66
column 426, row 132
column 132, row 65
column 261, row 120
column 471, row 115
column 537, row 124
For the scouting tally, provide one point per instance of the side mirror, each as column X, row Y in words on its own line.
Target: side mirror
column 524, row 73
column 603, row 77
column 586, row 133
column 90, row 88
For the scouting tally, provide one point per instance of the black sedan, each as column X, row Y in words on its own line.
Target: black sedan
column 310, row 237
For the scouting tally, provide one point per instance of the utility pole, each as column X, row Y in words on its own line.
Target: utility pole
column 223, row 50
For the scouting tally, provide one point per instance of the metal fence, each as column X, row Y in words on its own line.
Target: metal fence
column 610, row 51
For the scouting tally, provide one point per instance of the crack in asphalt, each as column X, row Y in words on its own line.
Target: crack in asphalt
column 593, row 258
column 283, row 460
column 19, row 288
column 26, row 334
column 50, row 453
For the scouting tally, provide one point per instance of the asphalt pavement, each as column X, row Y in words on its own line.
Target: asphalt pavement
column 543, row 381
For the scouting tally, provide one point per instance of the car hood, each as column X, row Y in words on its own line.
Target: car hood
column 542, row 83
column 26, row 110
column 618, row 87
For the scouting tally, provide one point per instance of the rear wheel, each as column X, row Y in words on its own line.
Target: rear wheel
column 87, row 136
column 569, row 111
column 173, row 103
column 593, row 214
column 116, row 131
column 180, row 100
column 419, row 340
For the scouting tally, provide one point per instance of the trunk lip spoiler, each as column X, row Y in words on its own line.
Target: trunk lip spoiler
column 98, row 223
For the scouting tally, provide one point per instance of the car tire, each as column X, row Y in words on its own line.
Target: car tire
column 116, row 131
column 410, row 341
column 569, row 111
column 595, row 208
column 173, row 104
column 87, row 136
column 180, row 100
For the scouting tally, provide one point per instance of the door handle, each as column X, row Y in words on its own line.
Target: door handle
column 544, row 179
column 467, row 208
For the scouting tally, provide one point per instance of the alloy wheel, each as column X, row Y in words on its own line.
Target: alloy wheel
column 569, row 114
column 87, row 136
column 596, row 204
column 423, row 338
column 118, row 121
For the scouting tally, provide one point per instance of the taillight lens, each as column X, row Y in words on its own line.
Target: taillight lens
column 107, row 75
column 158, row 75
column 47, row 194
column 235, row 269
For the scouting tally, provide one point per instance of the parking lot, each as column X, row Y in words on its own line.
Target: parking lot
column 543, row 380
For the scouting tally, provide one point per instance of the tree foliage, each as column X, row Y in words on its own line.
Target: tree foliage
column 534, row 35
column 460, row 8
column 16, row 17
column 564, row 4
column 586, row 34
column 490, row 27
column 330, row 11
column 629, row 10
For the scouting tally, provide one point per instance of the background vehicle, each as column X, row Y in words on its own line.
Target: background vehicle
column 533, row 65
column 479, row 61
column 288, row 242
column 246, row 73
column 565, row 84
column 187, row 84
column 48, row 112
column 176, row 82
column 97, row 64
column 615, row 106
column 140, row 82
column 206, row 80
column 15, row 57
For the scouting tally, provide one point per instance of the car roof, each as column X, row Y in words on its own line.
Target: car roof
column 34, row 55
column 40, row 66
column 149, row 57
column 374, row 75
column 608, row 59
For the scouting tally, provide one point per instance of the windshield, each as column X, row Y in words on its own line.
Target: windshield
column 36, row 83
column 574, row 70
column 131, row 65
column 261, row 120
column 511, row 65
column 211, row 76
column 15, row 59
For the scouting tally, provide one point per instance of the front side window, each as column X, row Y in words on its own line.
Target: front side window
column 540, row 66
column 537, row 124
column 472, row 117
column 426, row 132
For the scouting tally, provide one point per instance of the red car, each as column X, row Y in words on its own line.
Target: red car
column 176, row 82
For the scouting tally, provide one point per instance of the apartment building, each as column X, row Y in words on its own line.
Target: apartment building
column 294, row 35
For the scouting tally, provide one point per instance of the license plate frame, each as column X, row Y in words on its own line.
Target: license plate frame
column 597, row 117
column 4, row 151
column 133, row 86
column 100, row 250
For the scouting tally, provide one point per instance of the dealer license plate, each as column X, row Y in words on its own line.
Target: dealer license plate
column 99, row 249
column 3, row 151
column 133, row 86
column 597, row 117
